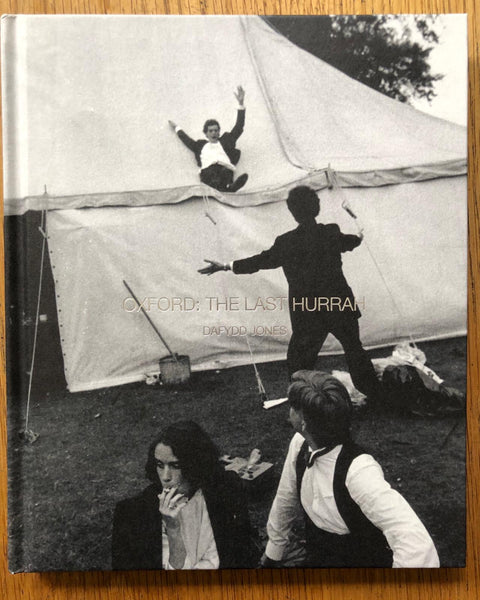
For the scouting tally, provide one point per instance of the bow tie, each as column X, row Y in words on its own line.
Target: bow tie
column 311, row 457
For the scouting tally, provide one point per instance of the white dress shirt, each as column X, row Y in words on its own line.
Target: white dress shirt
column 197, row 535
column 406, row 535
column 213, row 153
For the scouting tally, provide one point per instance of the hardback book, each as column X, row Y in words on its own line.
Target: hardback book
column 236, row 263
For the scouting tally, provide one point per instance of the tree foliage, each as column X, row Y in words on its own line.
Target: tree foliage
column 389, row 53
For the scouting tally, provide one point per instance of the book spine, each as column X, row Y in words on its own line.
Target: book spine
column 16, row 248
column 14, row 113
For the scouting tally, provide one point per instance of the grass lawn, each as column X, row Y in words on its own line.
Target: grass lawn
column 92, row 448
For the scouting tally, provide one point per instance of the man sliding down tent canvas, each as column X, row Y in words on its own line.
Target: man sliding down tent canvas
column 217, row 155
column 311, row 258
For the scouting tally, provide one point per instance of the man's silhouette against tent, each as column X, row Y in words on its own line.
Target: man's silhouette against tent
column 217, row 155
column 310, row 256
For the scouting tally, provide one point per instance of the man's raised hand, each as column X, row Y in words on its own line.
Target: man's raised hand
column 213, row 267
column 240, row 95
column 172, row 124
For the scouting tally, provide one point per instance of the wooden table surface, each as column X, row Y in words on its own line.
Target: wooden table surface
column 329, row 584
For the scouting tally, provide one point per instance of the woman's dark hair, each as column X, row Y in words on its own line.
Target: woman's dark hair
column 209, row 123
column 303, row 203
column 197, row 455
column 325, row 405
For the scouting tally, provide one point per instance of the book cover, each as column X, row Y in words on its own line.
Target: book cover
column 236, row 291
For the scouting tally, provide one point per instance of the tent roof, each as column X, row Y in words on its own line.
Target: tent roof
column 88, row 99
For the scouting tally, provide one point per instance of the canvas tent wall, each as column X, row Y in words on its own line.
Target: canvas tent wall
column 99, row 113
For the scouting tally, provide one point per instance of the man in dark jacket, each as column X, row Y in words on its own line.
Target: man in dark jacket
column 217, row 155
column 320, row 299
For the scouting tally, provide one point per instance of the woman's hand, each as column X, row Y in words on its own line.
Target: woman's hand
column 171, row 503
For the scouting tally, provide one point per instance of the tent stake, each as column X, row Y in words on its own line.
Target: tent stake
column 261, row 389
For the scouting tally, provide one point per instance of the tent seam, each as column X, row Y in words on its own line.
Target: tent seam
column 267, row 98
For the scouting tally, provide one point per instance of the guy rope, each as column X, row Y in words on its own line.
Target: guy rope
column 333, row 183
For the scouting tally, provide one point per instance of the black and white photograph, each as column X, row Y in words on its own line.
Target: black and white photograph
column 236, row 291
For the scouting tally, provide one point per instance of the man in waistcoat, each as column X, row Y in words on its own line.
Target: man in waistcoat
column 353, row 518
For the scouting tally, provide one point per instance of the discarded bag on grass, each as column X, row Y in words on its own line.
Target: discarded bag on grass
column 411, row 390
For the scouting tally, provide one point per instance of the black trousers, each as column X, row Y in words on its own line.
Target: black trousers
column 309, row 336
column 217, row 176
column 325, row 549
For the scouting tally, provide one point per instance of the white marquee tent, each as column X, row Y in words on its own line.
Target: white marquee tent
column 87, row 104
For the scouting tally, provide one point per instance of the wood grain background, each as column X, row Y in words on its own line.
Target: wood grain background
column 330, row 584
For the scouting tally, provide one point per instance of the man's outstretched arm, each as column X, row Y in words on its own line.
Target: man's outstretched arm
column 348, row 241
column 238, row 128
column 213, row 267
column 187, row 140
column 268, row 259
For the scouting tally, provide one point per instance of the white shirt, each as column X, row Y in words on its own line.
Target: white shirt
column 213, row 153
column 197, row 535
column 406, row 535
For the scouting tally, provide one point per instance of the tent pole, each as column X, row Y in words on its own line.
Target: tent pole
column 150, row 321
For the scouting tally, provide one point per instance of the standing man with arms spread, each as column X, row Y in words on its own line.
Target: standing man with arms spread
column 311, row 258
column 217, row 155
